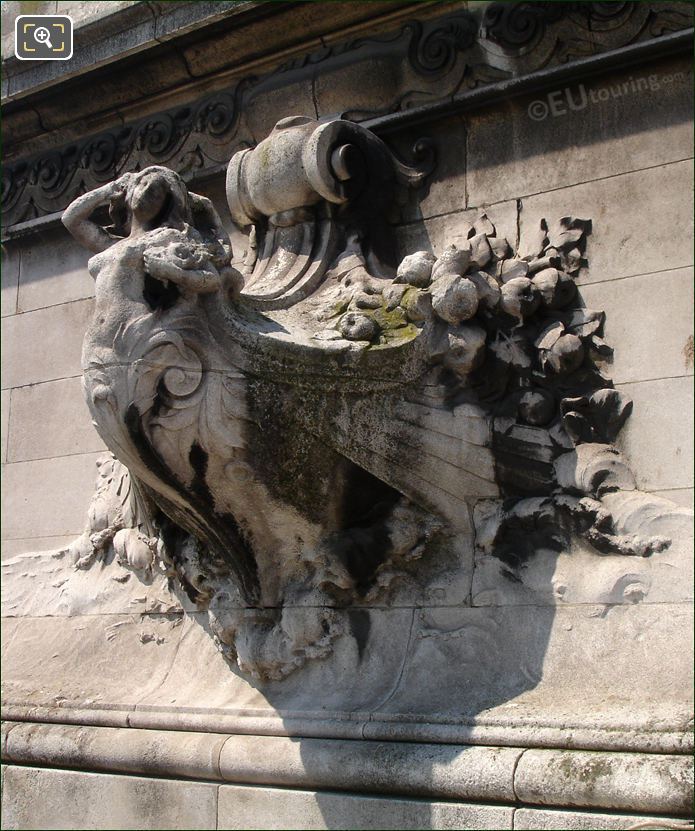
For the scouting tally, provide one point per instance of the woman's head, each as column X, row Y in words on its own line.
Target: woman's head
column 152, row 197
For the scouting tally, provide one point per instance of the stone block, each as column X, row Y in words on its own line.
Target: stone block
column 447, row 771
column 269, row 102
column 444, row 190
column 45, row 344
column 9, row 274
column 658, row 437
column 74, row 799
column 51, row 419
column 359, row 675
column 297, row 29
column 81, row 14
column 539, row 819
column 48, row 497
column 47, row 584
column 246, row 807
column 368, row 85
column 4, row 422
column 642, row 221
column 680, row 496
column 582, row 575
column 511, row 154
column 54, row 270
column 89, row 662
column 22, row 125
column 626, row 781
column 649, row 324
column 82, row 113
column 522, row 665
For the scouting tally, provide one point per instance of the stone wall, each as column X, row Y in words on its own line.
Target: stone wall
column 625, row 162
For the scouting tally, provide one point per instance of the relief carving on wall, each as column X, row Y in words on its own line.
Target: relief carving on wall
column 420, row 63
column 321, row 424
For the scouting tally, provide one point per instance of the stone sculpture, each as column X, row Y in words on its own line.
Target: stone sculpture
column 322, row 426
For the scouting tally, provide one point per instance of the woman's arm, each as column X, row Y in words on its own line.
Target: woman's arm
column 76, row 217
column 198, row 278
column 206, row 218
column 205, row 215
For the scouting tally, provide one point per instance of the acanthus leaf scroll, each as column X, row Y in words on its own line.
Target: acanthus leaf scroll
column 308, row 431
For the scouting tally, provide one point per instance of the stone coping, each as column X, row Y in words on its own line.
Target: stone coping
column 531, row 729
column 650, row 783
column 113, row 34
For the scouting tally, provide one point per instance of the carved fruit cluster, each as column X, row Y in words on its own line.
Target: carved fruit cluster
column 509, row 329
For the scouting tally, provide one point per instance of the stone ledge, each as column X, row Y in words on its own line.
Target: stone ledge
column 648, row 783
column 509, row 732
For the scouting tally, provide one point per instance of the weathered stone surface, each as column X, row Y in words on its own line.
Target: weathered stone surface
column 454, row 298
column 436, row 233
column 539, row 819
column 74, row 799
column 106, row 645
column 650, row 203
column 589, row 648
column 44, row 345
column 601, row 138
column 51, row 419
column 650, row 316
column 246, row 807
column 9, row 273
column 628, row 782
column 4, row 423
column 282, row 31
column 446, row 189
column 519, row 297
column 471, row 773
column 679, row 496
column 507, row 660
column 11, row 548
column 657, row 440
column 416, row 269
column 464, row 773
column 26, row 510
column 566, row 577
column 151, row 376
column 54, row 270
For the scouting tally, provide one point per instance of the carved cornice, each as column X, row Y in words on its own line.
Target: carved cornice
column 435, row 62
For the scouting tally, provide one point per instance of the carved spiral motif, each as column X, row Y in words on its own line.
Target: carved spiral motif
column 100, row 155
column 157, row 136
column 217, row 117
column 49, row 171
column 181, row 382
column 8, row 185
column 434, row 52
column 606, row 10
column 514, row 25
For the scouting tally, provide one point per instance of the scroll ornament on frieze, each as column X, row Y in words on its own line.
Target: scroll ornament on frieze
column 310, row 426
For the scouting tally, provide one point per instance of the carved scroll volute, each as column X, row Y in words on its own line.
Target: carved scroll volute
column 304, row 189
column 303, row 162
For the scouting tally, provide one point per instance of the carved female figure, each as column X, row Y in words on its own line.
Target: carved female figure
column 160, row 232
column 145, row 351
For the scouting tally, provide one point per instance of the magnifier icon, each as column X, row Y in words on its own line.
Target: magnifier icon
column 42, row 35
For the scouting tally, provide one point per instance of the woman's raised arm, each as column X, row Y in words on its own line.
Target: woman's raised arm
column 84, row 230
